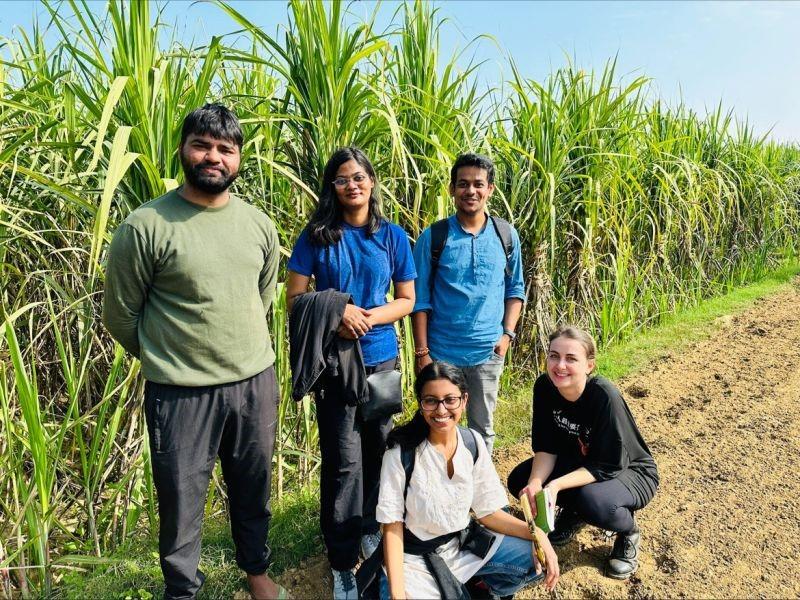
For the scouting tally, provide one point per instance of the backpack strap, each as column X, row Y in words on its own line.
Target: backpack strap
column 439, row 231
column 503, row 230
column 470, row 442
column 408, row 456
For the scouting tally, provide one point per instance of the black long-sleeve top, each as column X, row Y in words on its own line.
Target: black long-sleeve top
column 597, row 431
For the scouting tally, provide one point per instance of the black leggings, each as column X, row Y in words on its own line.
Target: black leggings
column 605, row 504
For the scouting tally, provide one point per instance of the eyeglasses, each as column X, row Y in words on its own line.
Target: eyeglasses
column 431, row 403
column 343, row 181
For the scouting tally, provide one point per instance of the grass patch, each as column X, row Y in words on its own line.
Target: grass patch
column 133, row 571
column 512, row 418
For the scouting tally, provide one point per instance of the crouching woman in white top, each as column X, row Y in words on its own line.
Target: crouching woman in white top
column 431, row 548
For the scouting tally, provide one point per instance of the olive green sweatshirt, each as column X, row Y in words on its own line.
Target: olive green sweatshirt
column 188, row 289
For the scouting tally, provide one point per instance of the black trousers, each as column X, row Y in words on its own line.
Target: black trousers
column 351, row 452
column 605, row 504
column 189, row 427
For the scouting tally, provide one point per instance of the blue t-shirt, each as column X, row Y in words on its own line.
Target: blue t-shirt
column 362, row 266
column 466, row 308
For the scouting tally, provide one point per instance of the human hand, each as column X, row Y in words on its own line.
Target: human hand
column 354, row 321
column 551, row 558
column 397, row 595
column 531, row 490
column 501, row 347
column 420, row 362
column 553, row 491
column 346, row 333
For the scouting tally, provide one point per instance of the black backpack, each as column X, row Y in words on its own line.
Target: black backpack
column 439, row 232
column 408, row 456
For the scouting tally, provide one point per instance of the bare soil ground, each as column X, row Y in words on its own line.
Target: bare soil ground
column 721, row 417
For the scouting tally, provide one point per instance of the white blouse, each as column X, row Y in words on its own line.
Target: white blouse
column 437, row 505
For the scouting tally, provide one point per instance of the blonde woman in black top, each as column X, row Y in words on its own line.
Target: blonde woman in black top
column 588, row 451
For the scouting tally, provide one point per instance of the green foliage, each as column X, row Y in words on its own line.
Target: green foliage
column 627, row 210
column 132, row 571
column 691, row 325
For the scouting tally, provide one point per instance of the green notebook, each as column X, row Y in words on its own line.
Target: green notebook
column 545, row 511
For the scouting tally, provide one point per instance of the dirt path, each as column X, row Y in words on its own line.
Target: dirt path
column 722, row 419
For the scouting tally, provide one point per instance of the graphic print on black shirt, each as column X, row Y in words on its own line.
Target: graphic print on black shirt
column 583, row 441
column 581, row 434
column 597, row 432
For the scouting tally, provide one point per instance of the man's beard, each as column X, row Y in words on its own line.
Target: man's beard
column 205, row 182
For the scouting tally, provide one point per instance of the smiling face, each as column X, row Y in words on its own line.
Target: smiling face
column 210, row 164
column 471, row 190
column 568, row 366
column 442, row 419
column 354, row 186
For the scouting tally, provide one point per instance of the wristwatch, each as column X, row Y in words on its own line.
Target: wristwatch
column 511, row 335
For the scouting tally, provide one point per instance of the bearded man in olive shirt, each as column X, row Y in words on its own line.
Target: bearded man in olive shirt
column 190, row 279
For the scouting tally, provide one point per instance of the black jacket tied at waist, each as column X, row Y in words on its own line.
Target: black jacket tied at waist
column 315, row 347
column 475, row 538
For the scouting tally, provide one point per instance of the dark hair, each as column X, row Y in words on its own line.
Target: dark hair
column 215, row 120
column 325, row 225
column 471, row 159
column 412, row 434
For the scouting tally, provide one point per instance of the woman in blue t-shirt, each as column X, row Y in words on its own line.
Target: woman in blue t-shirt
column 348, row 246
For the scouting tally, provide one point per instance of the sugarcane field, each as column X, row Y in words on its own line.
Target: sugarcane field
column 306, row 299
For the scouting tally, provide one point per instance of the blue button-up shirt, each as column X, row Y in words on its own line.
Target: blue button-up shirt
column 466, row 302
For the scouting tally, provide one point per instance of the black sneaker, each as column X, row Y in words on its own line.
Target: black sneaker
column 624, row 558
column 567, row 525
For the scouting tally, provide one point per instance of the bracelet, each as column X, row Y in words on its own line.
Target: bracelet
column 422, row 352
column 511, row 335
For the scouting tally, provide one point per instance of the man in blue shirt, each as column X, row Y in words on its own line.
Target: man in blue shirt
column 467, row 306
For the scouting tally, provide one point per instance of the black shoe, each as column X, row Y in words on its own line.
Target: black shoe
column 624, row 558
column 478, row 590
column 567, row 525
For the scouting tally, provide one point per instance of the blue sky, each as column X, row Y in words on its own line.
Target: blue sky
column 745, row 54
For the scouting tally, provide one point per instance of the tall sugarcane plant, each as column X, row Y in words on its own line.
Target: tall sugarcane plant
column 626, row 207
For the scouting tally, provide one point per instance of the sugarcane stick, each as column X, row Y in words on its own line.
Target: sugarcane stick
column 526, row 510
